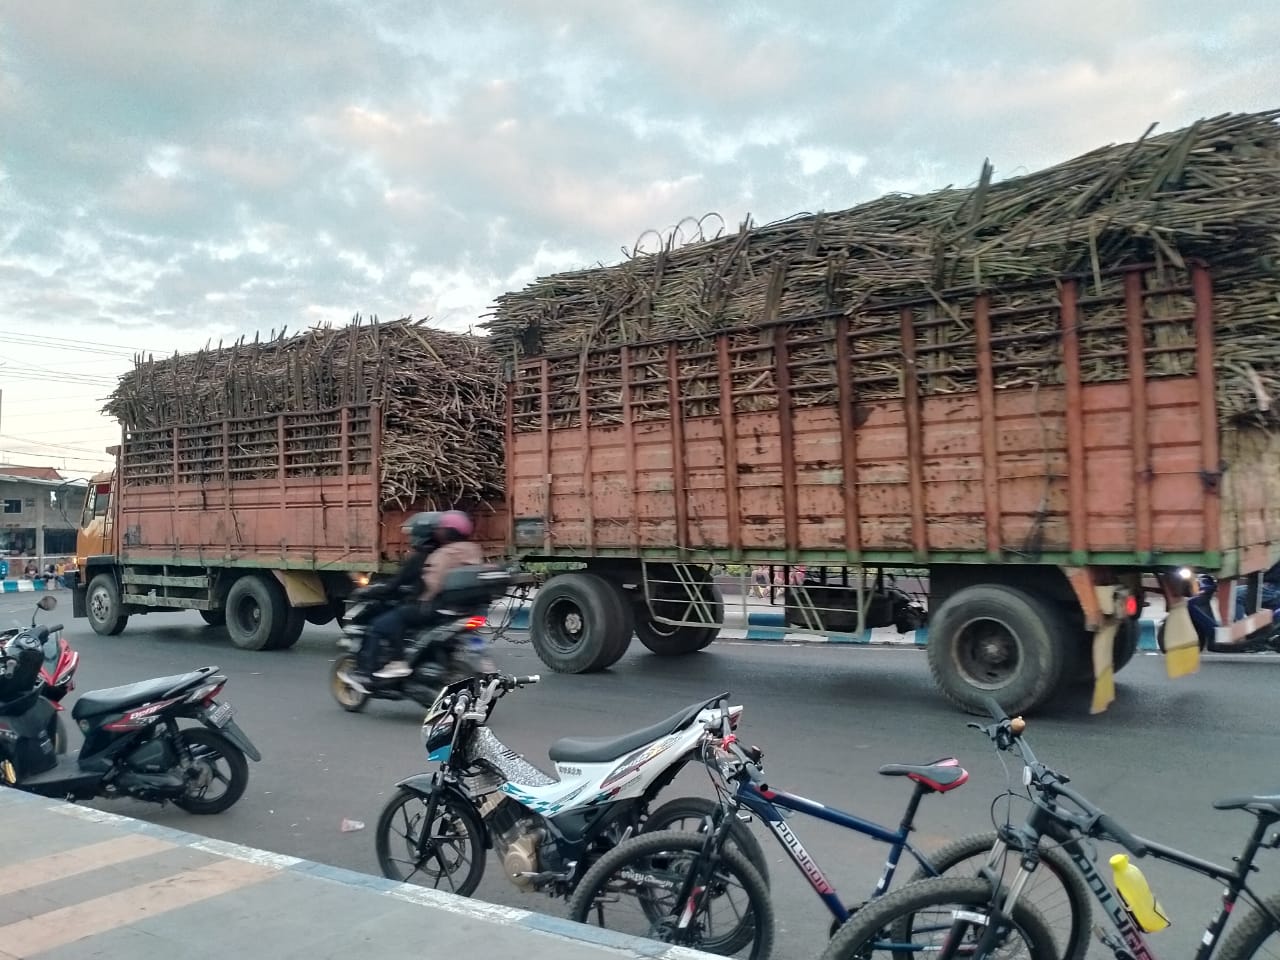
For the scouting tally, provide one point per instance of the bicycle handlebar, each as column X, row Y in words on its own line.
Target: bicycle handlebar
column 1007, row 735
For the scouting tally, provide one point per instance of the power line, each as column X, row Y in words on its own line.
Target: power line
column 41, row 443
column 73, row 344
column 32, row 372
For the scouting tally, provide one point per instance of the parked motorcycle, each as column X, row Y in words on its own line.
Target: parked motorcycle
column 133, row 745
column 449, row 647
column 59, row 667
column 546, row 831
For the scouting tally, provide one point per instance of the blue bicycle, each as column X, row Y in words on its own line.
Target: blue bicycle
column 685, row 885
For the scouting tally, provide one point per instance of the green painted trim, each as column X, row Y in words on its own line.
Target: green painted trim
column 158, row 580
column 165, row 603
column 219, row 563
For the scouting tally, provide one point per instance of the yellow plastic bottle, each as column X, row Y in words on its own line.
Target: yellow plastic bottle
column 1137, row 896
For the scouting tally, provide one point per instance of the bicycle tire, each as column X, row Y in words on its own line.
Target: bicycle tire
column 759, row 917
column 698, row 808
column 1075, row 942
column 1251, row 932
column 856, row 939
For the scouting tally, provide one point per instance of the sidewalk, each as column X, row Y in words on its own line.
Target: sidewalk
column 79, row 883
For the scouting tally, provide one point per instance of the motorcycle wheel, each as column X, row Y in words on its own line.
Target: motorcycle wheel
column 348, row 697
column 204, row 751
column 457, row 845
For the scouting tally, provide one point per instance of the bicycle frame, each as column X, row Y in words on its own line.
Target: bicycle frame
column 1042, row 823
column 768, row 805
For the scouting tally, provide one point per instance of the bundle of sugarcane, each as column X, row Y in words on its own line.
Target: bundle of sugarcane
column 439, row 393
column 1209, row 192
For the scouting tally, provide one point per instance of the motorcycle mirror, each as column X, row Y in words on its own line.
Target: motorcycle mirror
column 47, row 602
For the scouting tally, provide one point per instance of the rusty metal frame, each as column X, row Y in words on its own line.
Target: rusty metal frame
column 987, row 415
column 787, row 445
column 1210, row 455
column 629, row 442
column 1077, row 499
column 729, row 438
column 679, row 469
column 1134, row 309
column 584, row 423
column 848, row 442
column 915, row 457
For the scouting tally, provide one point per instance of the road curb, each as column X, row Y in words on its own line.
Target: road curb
column 21, row 586
column 543, row 924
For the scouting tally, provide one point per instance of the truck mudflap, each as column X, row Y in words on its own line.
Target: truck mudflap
column 79, row 605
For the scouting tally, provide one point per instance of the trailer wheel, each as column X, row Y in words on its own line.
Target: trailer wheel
column 670, row 641
column 214, row 618
column 102, row 604
column 257, row 612
column 580, row 623
column 998, row 642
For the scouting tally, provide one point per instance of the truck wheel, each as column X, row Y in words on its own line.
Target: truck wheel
column 102, row 603
column 257, row 612
column 580, row 623
column 214, row 618
column 292, row 630
column 670, row 641
column 995, row 641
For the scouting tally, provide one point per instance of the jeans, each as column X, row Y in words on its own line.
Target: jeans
column 389, row 627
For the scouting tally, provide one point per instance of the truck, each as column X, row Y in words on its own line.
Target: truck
column 1051, row 396
column 187, row 521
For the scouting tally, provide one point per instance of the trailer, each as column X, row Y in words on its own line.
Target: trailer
column 261, row 523
column 1038, row 503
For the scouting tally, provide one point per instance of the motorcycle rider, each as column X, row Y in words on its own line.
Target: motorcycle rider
column 452, row 547
column 391, row 625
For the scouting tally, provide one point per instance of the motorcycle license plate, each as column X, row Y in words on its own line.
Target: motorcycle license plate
column 220, row 715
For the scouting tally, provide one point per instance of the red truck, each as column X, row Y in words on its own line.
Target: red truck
column 264, row 535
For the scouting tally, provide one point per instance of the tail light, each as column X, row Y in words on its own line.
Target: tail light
column 735, row 715
column 1131, row 606
column 476, row 623
column 206, row 693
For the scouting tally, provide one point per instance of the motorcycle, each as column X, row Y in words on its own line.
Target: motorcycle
column 133, row 745
column 1201, row 589
column 449, row 647
column 60, row 663
column 546, row 831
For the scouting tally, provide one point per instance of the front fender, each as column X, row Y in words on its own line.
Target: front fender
column 420, row 783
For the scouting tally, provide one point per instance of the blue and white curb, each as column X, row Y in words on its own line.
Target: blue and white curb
column 527, row 920
column 20, row 586
column 772, row 628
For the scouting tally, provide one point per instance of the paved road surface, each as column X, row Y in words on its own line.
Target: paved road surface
column 825, row 717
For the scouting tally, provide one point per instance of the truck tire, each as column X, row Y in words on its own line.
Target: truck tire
column 293, row 625
column 580, row 623
column 214, row 618
column 102, row 604
column 257, row 612
column 669, row 641
column 995, row 641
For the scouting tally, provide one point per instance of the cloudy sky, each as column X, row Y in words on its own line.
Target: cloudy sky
column 172, row 172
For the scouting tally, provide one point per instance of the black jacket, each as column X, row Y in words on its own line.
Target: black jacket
column 409, row 574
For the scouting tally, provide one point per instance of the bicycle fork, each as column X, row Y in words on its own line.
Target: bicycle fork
column 696, row 883
column 997, row 922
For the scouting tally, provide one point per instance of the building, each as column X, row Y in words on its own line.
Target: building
column 39, row 514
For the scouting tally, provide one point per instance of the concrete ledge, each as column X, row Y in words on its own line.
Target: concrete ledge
column 505, row 931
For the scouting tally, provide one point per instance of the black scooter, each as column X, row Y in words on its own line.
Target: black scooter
column 447, row 649
column 133, row 745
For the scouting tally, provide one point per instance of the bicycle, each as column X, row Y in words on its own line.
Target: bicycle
column 687, row 864
column 1050, row 819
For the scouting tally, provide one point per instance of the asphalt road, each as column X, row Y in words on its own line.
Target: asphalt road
column 826, row 718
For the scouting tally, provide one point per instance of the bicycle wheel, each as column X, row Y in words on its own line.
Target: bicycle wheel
column 690, row 813
column 734, row 917
column 1249, row 937
column 920, row 918
column 1056, row 889
column 450, row 857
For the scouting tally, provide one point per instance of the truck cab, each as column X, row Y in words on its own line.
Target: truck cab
column 95, row 538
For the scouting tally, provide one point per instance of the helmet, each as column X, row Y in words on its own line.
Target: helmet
column 454, row 525
column 432, row 527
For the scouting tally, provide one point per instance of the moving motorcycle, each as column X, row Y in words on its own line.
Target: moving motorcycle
column 133, row 745
column 447, row 648
column 1201, row 590
column 546, row 831
column 60, row 663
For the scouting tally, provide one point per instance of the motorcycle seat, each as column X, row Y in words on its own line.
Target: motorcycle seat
column 1268, row 805
column 604, row 749
column 134, row 694
column 939, row 776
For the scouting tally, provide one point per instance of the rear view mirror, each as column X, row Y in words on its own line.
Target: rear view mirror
column 47, row 602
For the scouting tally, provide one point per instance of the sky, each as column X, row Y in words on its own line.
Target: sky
column 178, row 173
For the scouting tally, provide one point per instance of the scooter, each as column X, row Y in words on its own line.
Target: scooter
column 60, row 663
column 1201, row 589
column 547, row 830
column 450, row 647
column 133, row 745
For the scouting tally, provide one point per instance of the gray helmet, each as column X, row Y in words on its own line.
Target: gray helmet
column 421, row 528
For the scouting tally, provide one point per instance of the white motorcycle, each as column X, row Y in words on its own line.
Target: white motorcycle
column 547, row 831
